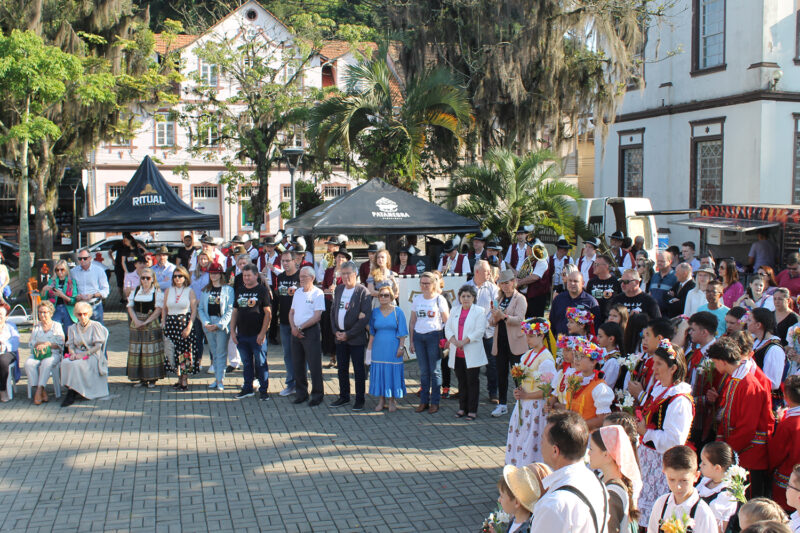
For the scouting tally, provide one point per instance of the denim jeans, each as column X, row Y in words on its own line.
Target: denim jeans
column 426, row 346
column 218, row 348
column 491, row 367
column 97, row 313
column 286, row 344
column 61, row 316
column 254, row 361
column 344, row 354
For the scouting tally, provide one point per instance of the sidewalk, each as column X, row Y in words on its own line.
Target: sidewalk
column 160, row 460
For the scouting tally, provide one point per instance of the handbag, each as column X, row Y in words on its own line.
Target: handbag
column 406, row 356
column 41, row 355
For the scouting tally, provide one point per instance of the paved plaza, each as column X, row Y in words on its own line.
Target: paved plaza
column 160, row 460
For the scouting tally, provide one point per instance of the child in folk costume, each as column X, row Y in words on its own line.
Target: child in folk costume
column 528, row 419
column 760, row 510
column 580, row 322
column 793, row 499
column 520, row 489
column 641, row 381
column 565, row 343
column 784, row 446
column 593, row 398
column 715, row 460
column 667, row 420
column 612, row 453
column 609, row 338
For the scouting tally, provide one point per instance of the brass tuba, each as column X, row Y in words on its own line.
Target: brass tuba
column 538, row 253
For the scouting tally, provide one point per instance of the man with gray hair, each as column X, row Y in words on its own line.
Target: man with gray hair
column 308, row 303
column 677, row 295
column 487, row 295
column 632, row 297
column 350, row 314
column 663, row 280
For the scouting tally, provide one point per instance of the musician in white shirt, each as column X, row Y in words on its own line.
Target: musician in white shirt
column 517, row 253
column 575, row 500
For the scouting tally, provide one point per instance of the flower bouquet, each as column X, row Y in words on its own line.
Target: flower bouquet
column 631, row 363
column 444, row 348
column 498, row 521
column 574, row 383
column 735, row 478
column 677, row 525
column 518, row 373
column 795, row 336
column 707, row 368
column 626, row 402
column 543, row 383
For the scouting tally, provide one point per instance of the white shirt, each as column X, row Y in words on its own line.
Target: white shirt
column 558, row 266
column 704, row 521
column 306, row 303
column 794, row 522
column 694, row 299
column 91, row 281
column 586, row 264
column 560, row 511
column 611, row 369
column 602, row 395
column 465, row 268
column 677, row 420
column 344, row 305
column 142, row 296
column 428, row 313
column 723, row 506
column 253, row 253
column 522, row 250
column 163, row 274
column 774, row 360
column 178, row 301
column 487, row 294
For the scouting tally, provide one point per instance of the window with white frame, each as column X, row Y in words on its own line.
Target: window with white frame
column 165, row 131
column 710, row 38
column 707, row 163
column 209, row 74
column 286, row 193
column 332, row 191
column 205, row 192
column 113, row 193
column 207, row 133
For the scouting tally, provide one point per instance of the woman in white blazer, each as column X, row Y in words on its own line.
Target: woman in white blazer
column 464, row 330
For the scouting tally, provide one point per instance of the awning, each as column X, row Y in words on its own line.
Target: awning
column 728, row 224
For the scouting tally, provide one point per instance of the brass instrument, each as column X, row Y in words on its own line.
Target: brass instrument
column 328, row 257
column 605, row 249
column 538, row 253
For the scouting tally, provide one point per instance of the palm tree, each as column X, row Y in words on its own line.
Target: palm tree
column 387, row 128
column 508, row 190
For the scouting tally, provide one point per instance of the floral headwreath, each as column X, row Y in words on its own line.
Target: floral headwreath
column 666, row 345
column 589, row 349
column 535, row 325
column 568, row 341
column 744, row 319
column 580, row 315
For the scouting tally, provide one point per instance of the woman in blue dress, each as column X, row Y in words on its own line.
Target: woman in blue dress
column 388, row 332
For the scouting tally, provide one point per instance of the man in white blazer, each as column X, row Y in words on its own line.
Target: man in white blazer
column 467, row 354
column 575, row 500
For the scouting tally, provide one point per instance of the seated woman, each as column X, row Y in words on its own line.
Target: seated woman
column 9, row 352
column 85, row 371
column 47, row 348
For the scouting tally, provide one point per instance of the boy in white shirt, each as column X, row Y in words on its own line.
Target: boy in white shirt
column 682, row 502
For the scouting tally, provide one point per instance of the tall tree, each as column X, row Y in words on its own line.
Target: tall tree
column 253, row 123
column 507, row 191
column 115, row 47
column 530, row 65
column 33, row 78
column 388, row 130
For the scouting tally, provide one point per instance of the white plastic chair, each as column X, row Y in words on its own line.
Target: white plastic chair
column 19, row 320
column 10, row 382
column 55, row 372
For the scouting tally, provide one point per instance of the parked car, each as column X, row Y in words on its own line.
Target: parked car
column 10, row 253
column 103, row 250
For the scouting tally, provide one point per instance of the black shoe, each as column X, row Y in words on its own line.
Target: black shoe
column 69, row 399
column 359, row 405
column 314, row 403
column 300, row 400
column 339, row 402
column 231, row 368
column 263, row 397
column 244, row 394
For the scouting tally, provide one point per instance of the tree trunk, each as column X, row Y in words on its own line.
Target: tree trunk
column 24, row 227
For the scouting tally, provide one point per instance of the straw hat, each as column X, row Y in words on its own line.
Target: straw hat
column 526, row 483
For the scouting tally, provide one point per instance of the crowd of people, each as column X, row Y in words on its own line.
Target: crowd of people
column 668, row 376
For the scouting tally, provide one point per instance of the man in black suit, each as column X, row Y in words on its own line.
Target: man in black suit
column 676, row 298
column 350, row 313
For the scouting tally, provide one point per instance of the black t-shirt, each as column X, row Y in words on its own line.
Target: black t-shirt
column 502, row 332
column 250, row 304
column 213, row 301
column 238, row 281
column 596, row 287
column 185, row 256
column 286, row 286
column 641, row 303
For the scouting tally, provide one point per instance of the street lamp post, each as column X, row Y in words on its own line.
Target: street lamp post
column 293, row 156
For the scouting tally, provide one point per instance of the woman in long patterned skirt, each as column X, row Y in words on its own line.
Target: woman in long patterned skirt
column 180, row 309
column 146, row 345
column 528, row 420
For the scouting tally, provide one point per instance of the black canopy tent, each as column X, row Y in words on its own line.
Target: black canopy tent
column 377, row 208
column 148, row 203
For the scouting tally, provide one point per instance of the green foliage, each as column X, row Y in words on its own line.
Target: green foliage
column 508, row 190
column 390, row 132
column 307, row 197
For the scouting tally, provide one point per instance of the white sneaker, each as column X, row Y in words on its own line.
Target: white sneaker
column 286, row 392
column 210, row 369
column 500, row 410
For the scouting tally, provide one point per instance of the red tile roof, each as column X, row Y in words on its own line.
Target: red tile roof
column 181, row 41
column 336, row 49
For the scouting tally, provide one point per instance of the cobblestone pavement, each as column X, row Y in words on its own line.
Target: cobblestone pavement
column 160, row 460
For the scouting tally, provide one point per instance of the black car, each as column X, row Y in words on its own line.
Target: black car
column 10, row 253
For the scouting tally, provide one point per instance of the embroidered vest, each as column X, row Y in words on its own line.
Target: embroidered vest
column 583, row 402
